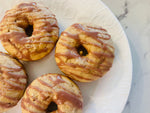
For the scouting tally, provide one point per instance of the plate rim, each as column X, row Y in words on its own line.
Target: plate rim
column 130, row 53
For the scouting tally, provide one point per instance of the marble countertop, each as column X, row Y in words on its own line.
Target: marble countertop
column 134, row 16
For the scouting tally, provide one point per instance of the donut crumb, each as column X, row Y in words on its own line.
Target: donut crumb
column 82, row 50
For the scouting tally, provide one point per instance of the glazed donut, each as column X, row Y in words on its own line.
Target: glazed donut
column 52, row 93
column 13, row 82
column 84, row 53
column 29, row 31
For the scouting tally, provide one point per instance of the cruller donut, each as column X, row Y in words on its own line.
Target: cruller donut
column 29, row 31
column 52, row 93
column 13, row 81
column 84, row 53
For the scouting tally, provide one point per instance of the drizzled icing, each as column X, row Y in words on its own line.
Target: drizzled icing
column 12, row 79
column 62, row 97
column 94, row 68
column 41, row 34
column 59, row 95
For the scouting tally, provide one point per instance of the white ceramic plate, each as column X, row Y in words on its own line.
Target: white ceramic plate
column 108, row 94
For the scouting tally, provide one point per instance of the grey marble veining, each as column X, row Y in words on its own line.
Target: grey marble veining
column 134, row 16
column 125, row 11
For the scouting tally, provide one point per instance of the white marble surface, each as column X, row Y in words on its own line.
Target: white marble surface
column 134, row 16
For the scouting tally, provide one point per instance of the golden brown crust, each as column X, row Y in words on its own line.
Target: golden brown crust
column 13, row 31
column 52, row 88
column 84, row 53
column 13, row 81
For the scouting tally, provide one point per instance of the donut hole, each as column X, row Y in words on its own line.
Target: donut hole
column 52, row 107
column 82, row 50
column 29, row 30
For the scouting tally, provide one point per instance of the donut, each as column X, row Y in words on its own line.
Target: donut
column 29, row 31
column 52, row 93
column 84, row 53
column 13, row 81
